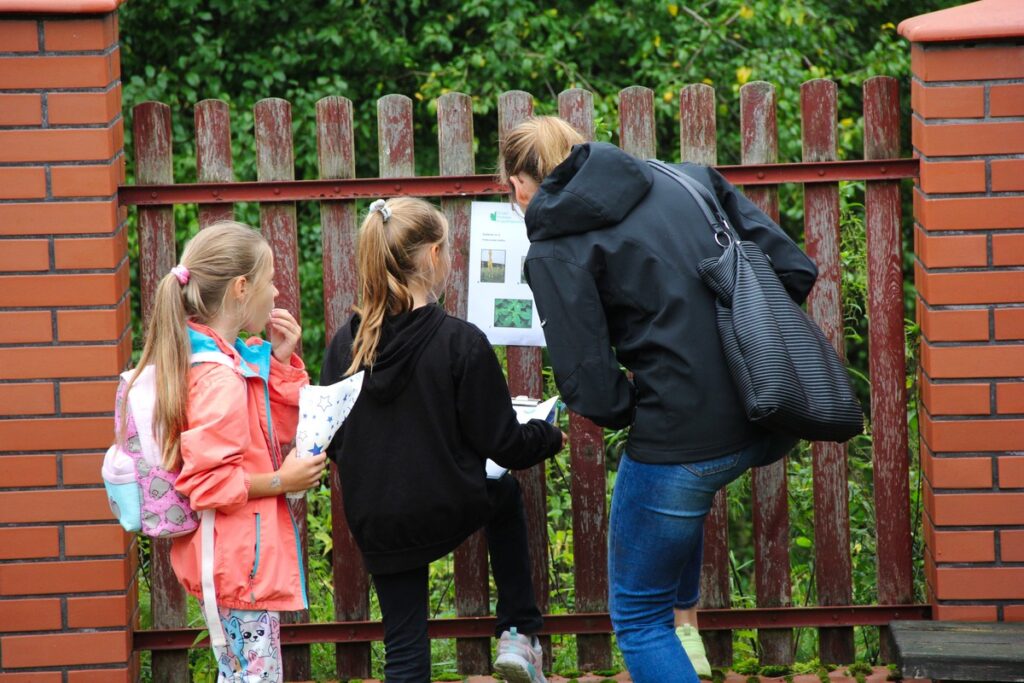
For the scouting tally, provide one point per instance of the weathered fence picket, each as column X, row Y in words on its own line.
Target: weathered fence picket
column 760, row 145
column 525, row 378
column 697, row 143
column 886, row 348
column 455, row 144
column 589, row 480
column 636, row 122
column 336, row 160
column 821, row 224
column 275, row 160
column 153, row 165
column 213, row 155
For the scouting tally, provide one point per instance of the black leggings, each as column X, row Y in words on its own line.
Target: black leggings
column 404, row 596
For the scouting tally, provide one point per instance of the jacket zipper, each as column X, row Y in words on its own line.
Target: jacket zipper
column 276, row 458
column 255, row 563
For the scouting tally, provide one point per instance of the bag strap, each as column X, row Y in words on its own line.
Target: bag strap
column 706, row 200
column 141, row 401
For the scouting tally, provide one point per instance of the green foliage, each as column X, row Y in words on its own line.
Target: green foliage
column 516, row 313
column 859, row 668
column 747, row 667
column 775, row 670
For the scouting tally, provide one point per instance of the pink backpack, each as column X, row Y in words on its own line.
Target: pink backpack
column 141, row 492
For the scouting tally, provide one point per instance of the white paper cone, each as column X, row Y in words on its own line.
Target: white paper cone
column 526, row 411
column 322, row 410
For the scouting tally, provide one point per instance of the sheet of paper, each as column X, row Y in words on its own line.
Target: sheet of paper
column 500, row 302
column 548, row 410
column 322, row 410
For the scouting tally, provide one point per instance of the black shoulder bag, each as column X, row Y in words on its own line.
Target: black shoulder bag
column 788, row 375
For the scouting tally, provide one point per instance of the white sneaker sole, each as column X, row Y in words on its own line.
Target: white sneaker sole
column 515, row 669
column 702, row 666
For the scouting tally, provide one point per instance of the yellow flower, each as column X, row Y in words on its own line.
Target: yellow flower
column 673, row 10
column 846, row 123
column 708, row 81
column 419, row 96
column 888, row 26
column 746, row 12
column 743, row 74
column 668, row 95
column 657, row 40
column 676, row 65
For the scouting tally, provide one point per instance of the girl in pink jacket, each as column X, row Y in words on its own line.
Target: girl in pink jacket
column 224, row 408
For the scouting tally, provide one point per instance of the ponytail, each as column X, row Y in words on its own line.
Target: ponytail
column 168, row 348
column 536, row 146
column 390, row 257
column 212, row 260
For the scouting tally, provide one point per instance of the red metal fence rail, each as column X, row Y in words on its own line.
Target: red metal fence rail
column 337, row 190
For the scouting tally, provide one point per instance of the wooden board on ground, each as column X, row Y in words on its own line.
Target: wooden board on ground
column 959, row 651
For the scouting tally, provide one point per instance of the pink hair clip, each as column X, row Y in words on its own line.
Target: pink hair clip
column 181, row 272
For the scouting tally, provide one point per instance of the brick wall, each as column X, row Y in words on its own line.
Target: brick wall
column 67, row 571
column 968, row 130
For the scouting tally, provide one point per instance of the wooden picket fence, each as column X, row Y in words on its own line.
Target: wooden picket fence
column 337, row 191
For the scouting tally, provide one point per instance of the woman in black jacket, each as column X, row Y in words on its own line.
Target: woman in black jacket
column 613, row 268
column 434, row 406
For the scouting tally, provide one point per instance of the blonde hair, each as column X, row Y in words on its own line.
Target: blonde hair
column 390, row 257
column 215, row 258
column 536, row 146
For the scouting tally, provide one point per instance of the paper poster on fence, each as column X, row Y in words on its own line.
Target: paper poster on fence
column 500, row 302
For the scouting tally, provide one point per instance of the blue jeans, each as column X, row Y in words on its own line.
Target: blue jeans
column 654, row 555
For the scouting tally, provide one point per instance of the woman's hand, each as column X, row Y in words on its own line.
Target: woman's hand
column 285, row 334
column 301, row 474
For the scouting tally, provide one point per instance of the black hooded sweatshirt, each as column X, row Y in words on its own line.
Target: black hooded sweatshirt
column 613, row 268
column 411, row 453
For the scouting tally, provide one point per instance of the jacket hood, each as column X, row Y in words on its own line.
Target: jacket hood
column 402, row 341
column 251, row 357
column 596, row 186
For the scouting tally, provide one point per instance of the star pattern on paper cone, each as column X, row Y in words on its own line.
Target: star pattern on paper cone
column 321, row 405
column 316, row 450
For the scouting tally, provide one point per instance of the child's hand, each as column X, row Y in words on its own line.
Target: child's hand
column 285, row 334
column 301, row 474
column 565, row 440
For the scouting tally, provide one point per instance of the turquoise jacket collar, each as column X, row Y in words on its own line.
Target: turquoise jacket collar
column 251, row 360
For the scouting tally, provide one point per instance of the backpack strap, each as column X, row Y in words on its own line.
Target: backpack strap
column 142, row 403
column 213, row 357
column 207, row 519
column 210, row 612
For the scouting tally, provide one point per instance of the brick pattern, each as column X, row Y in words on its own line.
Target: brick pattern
column 67, row 599
column 968, row 108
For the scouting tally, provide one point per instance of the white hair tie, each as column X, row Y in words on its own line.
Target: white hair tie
column 382, row 206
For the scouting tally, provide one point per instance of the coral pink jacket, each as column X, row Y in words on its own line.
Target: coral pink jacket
column 242, row 412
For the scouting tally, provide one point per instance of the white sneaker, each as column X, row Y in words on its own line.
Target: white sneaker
column 694, row 647
column 520, row 659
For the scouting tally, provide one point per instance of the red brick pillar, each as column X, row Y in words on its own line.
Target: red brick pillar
column 968, row 130
column 67, row 593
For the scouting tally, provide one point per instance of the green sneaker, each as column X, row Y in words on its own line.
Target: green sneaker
column 694, row 647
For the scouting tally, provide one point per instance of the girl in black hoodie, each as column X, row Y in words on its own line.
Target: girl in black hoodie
column 411, row 456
